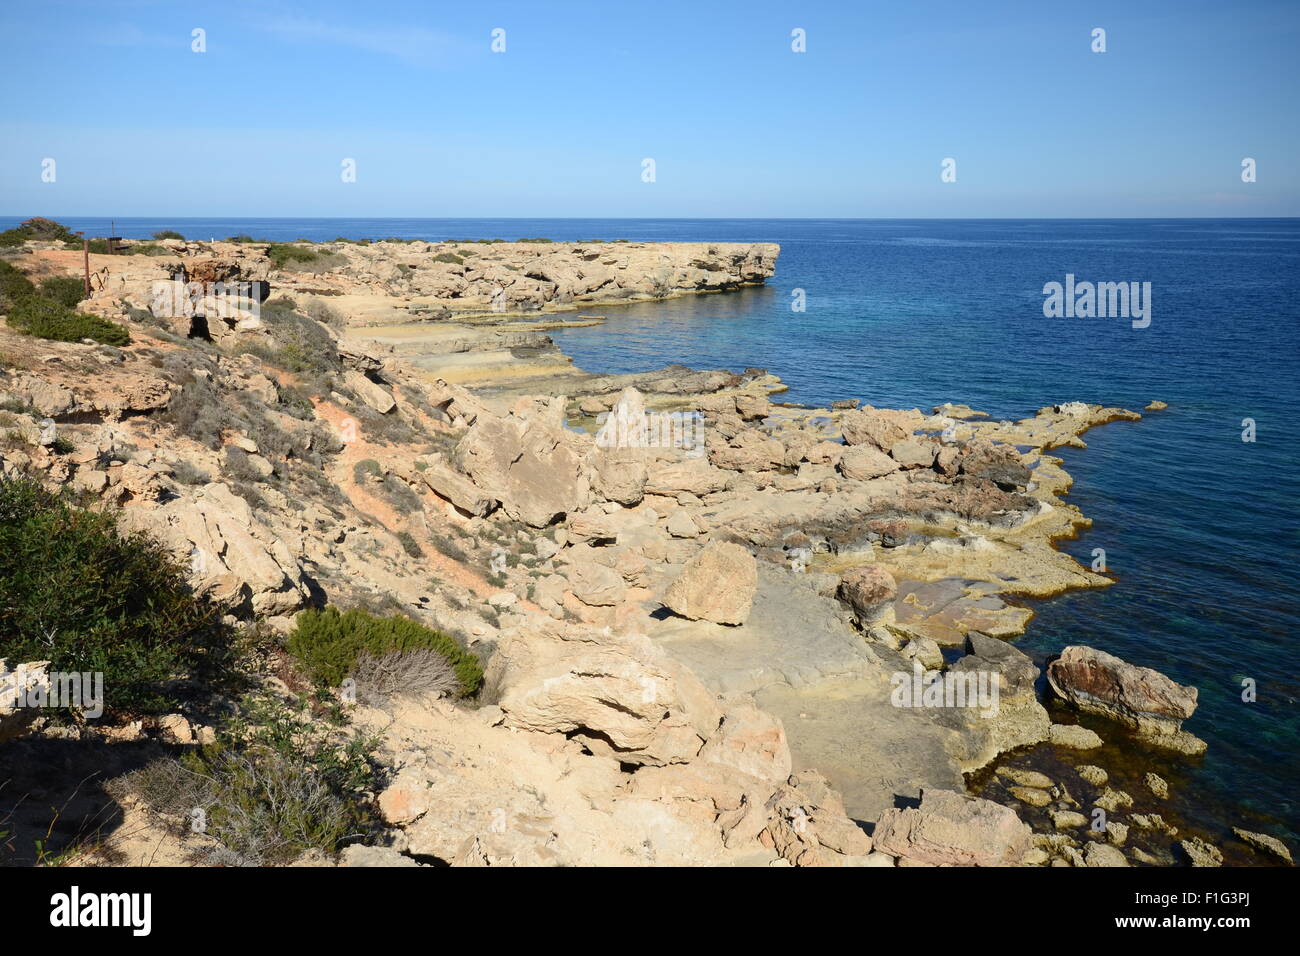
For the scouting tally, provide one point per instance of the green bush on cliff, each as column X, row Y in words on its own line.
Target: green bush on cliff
column 78, row 592
column 46, row 312
column 38, row 227
column 328, row 644
column 167, row 234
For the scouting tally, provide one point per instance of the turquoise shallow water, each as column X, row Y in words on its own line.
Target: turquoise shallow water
column 1200, row 528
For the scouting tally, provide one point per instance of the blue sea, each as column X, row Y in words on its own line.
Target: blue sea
column 1200, row 528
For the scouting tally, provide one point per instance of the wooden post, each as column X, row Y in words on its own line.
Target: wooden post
column 85, row 255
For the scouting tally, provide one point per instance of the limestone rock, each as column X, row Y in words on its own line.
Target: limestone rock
column 951, row 829
column 1265, row 843
column 16, row 684
column 619, row 694
column 457, row 489
column 369, row 391
column 717, row 584
column 527, row 465
column 807, row 824
column 870, row 591
column 865, row 462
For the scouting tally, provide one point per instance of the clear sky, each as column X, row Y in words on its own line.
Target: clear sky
column 737, row 123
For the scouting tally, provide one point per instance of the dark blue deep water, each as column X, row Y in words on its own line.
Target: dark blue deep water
column 1200, row 528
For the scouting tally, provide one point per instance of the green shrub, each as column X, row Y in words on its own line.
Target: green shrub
column 65, row 290
column 14, row 284
column 76, row 591
column 167, row 234
column 282, row 253
column 47, row 319
column 328, row 644
column 449, row 257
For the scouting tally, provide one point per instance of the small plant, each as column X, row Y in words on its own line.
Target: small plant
column 449, row 257
column 418, row 672
column 448, row 547
column 328, row 644
column 283, row 252
column 167, row 234
column 409, row 544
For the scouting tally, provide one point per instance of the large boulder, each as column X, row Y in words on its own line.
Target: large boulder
column 717, row 584
column 457, row 489
column 808, row 826
column 691, row 475
column 865, row 462
column 369, row 391
column 951, row 829
column 1140, row 698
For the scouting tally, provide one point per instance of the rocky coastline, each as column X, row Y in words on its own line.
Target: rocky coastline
column 716, row 629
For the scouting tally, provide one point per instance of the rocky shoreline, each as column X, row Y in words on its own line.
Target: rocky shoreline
column 713, row 626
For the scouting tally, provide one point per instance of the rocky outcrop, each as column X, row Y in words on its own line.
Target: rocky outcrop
column 619, row 695
column 1140, row 698
column 807, row 824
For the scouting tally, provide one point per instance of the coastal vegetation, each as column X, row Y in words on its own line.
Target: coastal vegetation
column 89, row 598
column 47, row 312
column 328, row 644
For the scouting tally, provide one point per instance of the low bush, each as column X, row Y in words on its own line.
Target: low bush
column 78, row 592
column 276, row 784
column 282, row 253
column 421, row 671
column 65, row 290
column 14, row 284
column 47, row 319
column 167, row 234
column 328, row 644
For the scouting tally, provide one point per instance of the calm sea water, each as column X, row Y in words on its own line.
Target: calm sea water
column 1201, row 529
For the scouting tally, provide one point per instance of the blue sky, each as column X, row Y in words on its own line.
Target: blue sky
column 737, row 123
